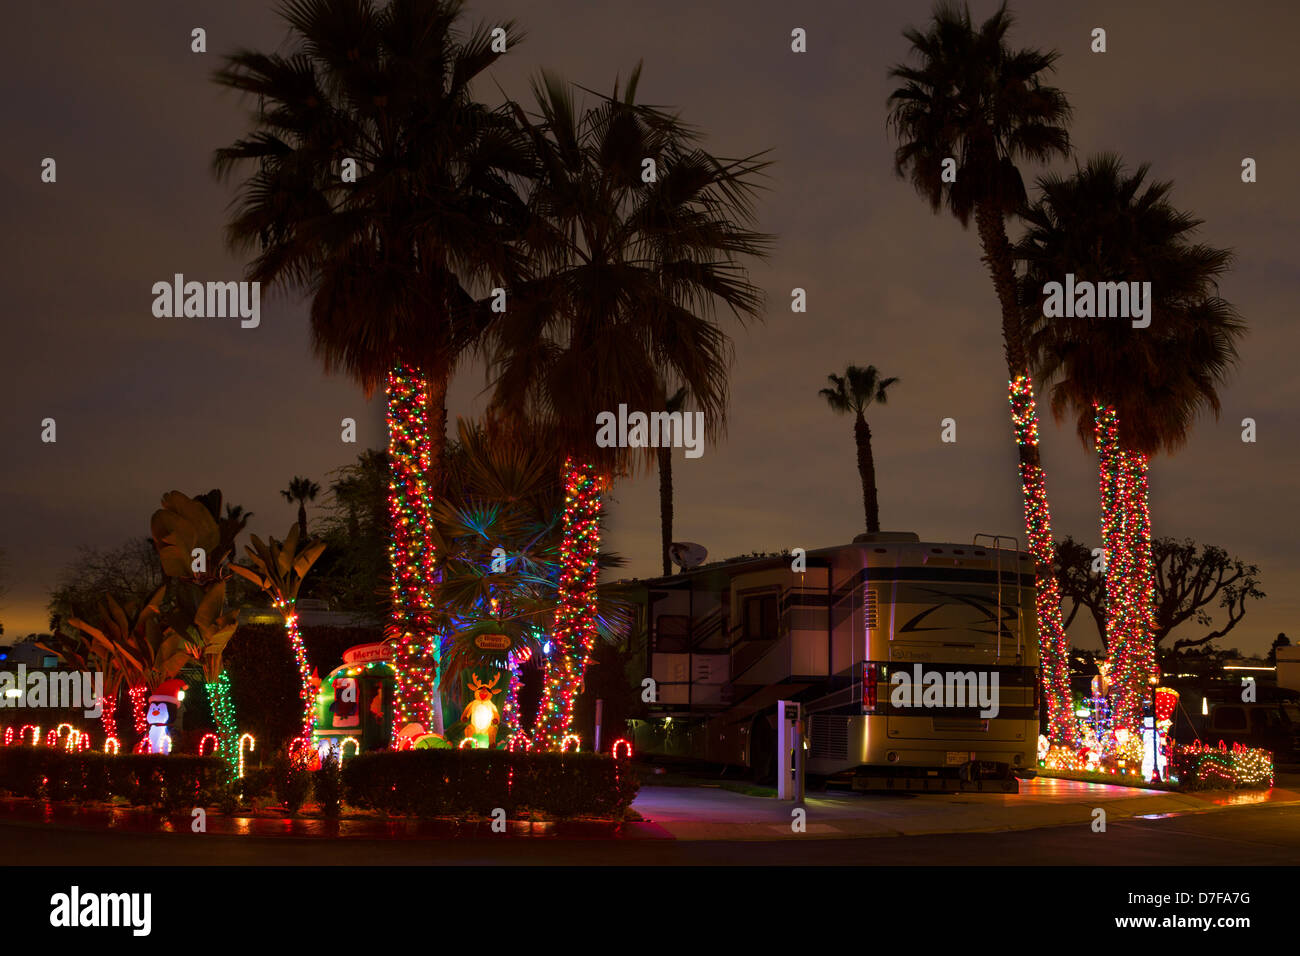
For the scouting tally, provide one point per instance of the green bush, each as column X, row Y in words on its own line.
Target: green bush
column 459, row 783
column 291, row 782
column 327, row 785
column 169, row 781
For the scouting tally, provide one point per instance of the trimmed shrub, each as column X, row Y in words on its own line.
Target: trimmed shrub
column 169, row 781
column 436, row 783
column 327, row 785
column 291, row 782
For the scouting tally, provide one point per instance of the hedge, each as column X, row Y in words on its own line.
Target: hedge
column 161, row 780
column 457, row 783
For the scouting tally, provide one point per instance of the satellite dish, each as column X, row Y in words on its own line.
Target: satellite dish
column 687, row 555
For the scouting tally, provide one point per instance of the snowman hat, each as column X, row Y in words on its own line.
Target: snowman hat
column 168, row 692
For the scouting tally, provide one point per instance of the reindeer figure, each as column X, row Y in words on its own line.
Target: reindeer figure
column 481, row 712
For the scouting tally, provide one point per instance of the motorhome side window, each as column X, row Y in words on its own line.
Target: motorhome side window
column 759, row 618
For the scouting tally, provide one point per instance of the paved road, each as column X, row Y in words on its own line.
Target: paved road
column 1238, row 836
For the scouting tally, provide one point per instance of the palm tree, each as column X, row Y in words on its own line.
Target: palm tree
column 854, row 391
column 672, row 404
column 975, row 100
column 301, row 490
column 279, row 569
column 1134, row 392
column 393, row 260
column 624, row 279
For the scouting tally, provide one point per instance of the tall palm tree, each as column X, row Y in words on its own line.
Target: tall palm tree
column 975, row 100
column 301, row 490
column 1134, row 392
column 853, row 392
column 672, row 404
column 624, row 279
column 278, row 569
column 394, row 255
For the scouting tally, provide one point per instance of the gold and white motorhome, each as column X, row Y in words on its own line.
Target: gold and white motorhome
column 915, row 663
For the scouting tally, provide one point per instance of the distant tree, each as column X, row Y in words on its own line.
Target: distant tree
column 129, row 573
column 1280, row 641
column 354, row 574
column 1191, row 582
column 301, row 490
column 673, row 403
column 852, row 393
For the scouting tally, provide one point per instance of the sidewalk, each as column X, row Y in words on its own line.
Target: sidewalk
column 708, row 813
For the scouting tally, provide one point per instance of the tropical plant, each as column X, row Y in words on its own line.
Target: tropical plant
column 353, row 573
column 301, row 490
column 378, row 184
column 624, row 274
column 278, row 569
column 853, row 392
column 1133, row 389
column 78, row 653
column 964, row 116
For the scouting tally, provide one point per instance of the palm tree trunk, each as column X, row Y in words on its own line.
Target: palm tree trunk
column 223, row 712
column 1054, row 643
column 304, row 670
column 867, row 471
column 666, row 506
column 139, row 694
column 410, row 553
column 575, row 618
column 302, row 519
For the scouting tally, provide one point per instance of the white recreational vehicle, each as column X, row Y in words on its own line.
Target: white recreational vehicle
column 915, row 664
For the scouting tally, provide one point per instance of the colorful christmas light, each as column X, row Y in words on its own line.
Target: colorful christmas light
column 1054, row 643
column 139, row 695
column 305, row 692
column 223, row 712
column 112, row 746
column 575, row 618
column 411, row 553
column 251, row 741
column 627, row 749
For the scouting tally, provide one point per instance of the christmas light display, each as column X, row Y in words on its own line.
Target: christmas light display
column 343, row 748
column 575, row 618
column 571, row 739
column 112, row 746
column 411, row 553
column 139, row 694
column 223, row 712
column 627, row 749
column 252, row 745
column 305, row 692
column 519, row 742
column 1213, row 768
column 469, row 743
column 9, row 736
column 1125, row 531
column 108, row 715
column 204, row 742
column 36, row 733
column 1054, row 643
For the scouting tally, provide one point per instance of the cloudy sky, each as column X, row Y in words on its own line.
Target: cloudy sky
column 143, row 405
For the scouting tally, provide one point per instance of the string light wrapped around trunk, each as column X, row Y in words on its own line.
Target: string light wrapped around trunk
column 1054, row 643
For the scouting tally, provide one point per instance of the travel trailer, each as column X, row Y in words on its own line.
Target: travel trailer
column 915, row 664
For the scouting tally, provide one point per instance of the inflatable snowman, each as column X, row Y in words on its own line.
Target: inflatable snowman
column 164, row 708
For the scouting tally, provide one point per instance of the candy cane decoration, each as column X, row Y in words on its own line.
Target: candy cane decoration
column 36, row 734
column 111, row 746
column 520, row 739
column 9, row 736
column 343, row 748
column 52, row 737
column 216, row 742
column 252, row 745
column 468, row 742
column 627, row 747
column 564, row 744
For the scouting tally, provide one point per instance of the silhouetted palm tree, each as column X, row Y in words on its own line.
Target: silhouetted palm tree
column 974, row 100
column 1133, row 391
column 853, row 392
column 624, row 279
column 394, row 258
column 301, row 490
column 673, row 403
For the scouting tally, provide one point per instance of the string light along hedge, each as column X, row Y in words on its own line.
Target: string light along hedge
column 1054, row 643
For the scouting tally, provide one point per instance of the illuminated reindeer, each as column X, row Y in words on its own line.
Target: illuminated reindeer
column 482, row 714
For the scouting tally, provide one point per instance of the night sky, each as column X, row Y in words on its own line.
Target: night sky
column 144, row 405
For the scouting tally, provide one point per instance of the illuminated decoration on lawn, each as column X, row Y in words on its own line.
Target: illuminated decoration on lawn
column 163, row 746
column 83, row 741
column 108, row 715
column 223, row 712
column 36, row 733
column 1126, row 538
column 1210, row 768
column 69, row 738
column 571, row 738
column 9, row 736
column 519, row 742
column 139, row 694
column 252, row 745
column 52, row 737
column 112, row 746
column 306, row 692
column 575, row 617
column 163, row 710
column 411, row 553
column 627, row 748
column 482, row 715
column 469, row 743
column 1159, row 745
column 204, row 742
column 1054, row 643
column 355, row 700
column 343, row 748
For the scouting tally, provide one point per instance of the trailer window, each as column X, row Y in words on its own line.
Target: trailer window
column 759, row 621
